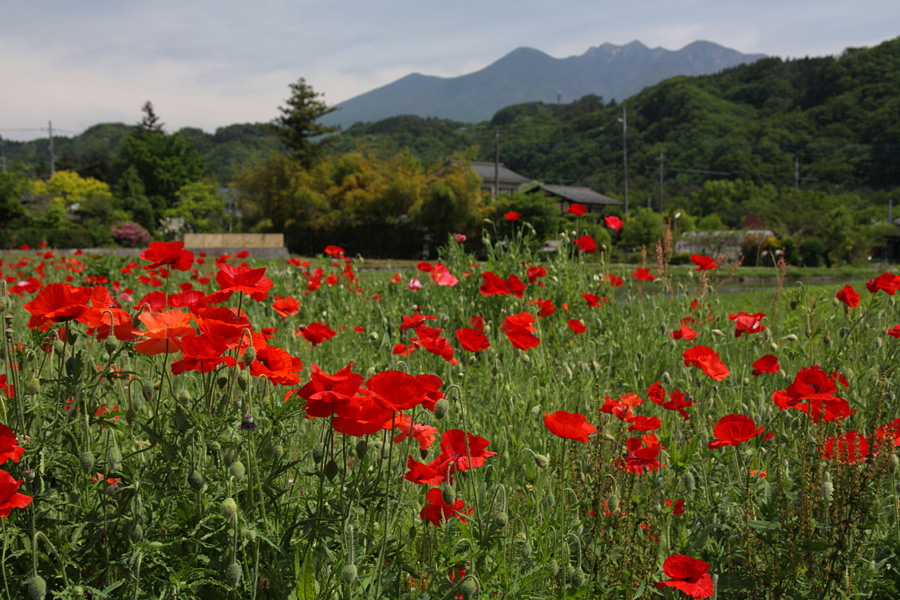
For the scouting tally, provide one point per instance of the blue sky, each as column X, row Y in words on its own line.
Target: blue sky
column 207, row 64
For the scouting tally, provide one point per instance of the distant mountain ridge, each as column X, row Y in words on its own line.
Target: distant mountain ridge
column 527, row 74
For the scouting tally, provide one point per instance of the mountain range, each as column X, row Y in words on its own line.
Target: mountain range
column 527, row 74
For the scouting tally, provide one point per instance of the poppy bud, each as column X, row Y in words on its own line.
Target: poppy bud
column 468, row 588
column 233, row 574
column 570, row 572
column 37, row 588
column 222, row 382
column 147, row 392
column 423, row 452
column 526, row 551
column 131, row 415
column 441, row 408
column 73, row 366
column 86, row 460
column 578, row 577
column 182, row 422
column 541, row 461
column 331, row 469
column 113, row 457
column 717, row 332
column 110, row 346
column 249, row 355
column 412, row 532
column 318, row 453
column 237, row 470
column 71, row 336
column 243, row 380
column 486, row 330
column 230, row 457
column 136, row 533
column 793, row 338
column 553, row 567
column 688, row 481
column 349, row 573
column 569, row 373
column 500, row 520
column 448, row 494
column 472, row 360
column 33, row 386
column 362, row 446
column 536, row 409
column 525, row 358
column 228, row 509
column 195, row 479
column 666, row 377
column 895, row 462
column 112, row 489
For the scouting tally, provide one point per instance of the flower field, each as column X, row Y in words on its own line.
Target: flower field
column 519, row 426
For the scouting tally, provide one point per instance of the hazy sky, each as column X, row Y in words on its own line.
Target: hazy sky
column 210, row 63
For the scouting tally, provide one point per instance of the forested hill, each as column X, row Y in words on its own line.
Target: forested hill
column 838, row 117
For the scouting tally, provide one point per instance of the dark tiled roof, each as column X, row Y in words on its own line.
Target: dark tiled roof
column 582, row 195
column 485, row 170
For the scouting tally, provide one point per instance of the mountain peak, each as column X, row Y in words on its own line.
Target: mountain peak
column 527, row 74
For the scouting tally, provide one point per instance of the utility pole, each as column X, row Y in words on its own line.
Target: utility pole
column 52, row 157
column 496, row 165
column 662, row 166
column 624, row 120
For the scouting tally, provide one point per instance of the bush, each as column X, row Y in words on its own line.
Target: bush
column 130, row 235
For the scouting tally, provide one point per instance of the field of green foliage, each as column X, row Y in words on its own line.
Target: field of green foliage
column 188, row 426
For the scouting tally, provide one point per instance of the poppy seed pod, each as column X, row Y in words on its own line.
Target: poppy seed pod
column 348, row 574
column 228, row 509
column 243, row 380
column 37, row 588
column 249, row 355
column 233, row 574
column 110, row 346
column 331, row 469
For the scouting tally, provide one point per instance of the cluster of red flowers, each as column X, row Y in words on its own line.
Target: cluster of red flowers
column 10, row 497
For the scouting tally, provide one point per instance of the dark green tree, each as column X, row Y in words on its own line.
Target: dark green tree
column 164, row 163
column 298, row 123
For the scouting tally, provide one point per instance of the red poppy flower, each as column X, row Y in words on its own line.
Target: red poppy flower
column 493, row 285
column 546, row 307
column 396, row 390
column 433, row 393
column 437, row 511
column 326, row 394
column 58, row 303
column 472, row 339
column 887, row 435
column 642, row 423
column 613, row 280
column 813, row 393
column 164, row 331
column 516, row 286
column 334, row 251
column 277, row 365
column 848, row 296
column 222, row 322
column 586, row 244
column 643, row 275
column 442, row 276
column 512, row 216
column 202, row 353
column 895, row 331
column 364, row 415
column 424, row 266
column 690, row 575
column 286, row 306
column 734, row 429
column 704, row 263
column 849, row 448
column 430, row 474
column 613, row 222
column 569, row 426
column 678, row 401
column 707, row 360
column 746, row 323
column 464, row 450
column 577, row 326
column 414, row 321
column 642, row 453
column 252, row 282
column 459, row 237
column 9, row 497
column 678, row 509
column 316, row 333
column 519, row 329
column 534, row 272
column 766, row 364
column 424, row 434
column 430, row 339
column 9, row 448
column 886, row 282
column 577, row 209
column 684, row 333
column 593, row 300
column 657, row 394
column 168, row 253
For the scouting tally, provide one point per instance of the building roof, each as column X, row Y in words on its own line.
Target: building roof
column 582, row 195
column 485, row 170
